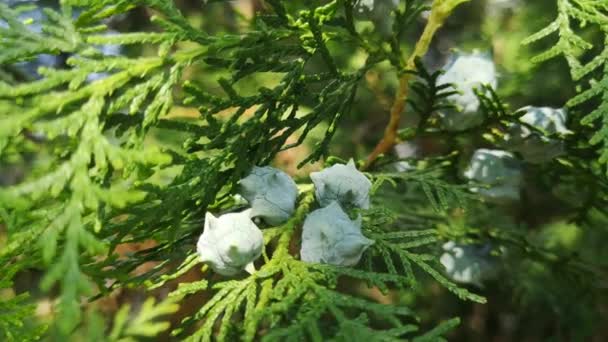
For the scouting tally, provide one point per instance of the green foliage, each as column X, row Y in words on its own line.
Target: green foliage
column 111, row 161
column 15, row 324
column 401, row 245
column 431, row 96
column 590, row 16
column 19, row 43
column 66, row 109
column 143, row 324
column 437, row 332
column 442, row 195
column 300, row 301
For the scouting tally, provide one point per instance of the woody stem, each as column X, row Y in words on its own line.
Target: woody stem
column 440, row 10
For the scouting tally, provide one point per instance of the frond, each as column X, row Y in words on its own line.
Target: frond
column 300, row 301
column 17, row 311
column 572, row 47
column 441, row 194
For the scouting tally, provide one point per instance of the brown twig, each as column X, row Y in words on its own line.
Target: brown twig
column 440, row 10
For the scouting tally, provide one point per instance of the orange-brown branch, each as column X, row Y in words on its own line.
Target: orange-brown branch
column 440, row 10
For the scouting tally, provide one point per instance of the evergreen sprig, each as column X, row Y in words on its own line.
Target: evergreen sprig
column 104, row 176
column 147, row 323
column 431, row 97
column 65, row 107
column 92, row 196
column 574, row 48
column 291, row 297
column 441, row 194
column 15, row 323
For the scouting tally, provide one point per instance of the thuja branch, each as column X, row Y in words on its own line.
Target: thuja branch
column 440, row 10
